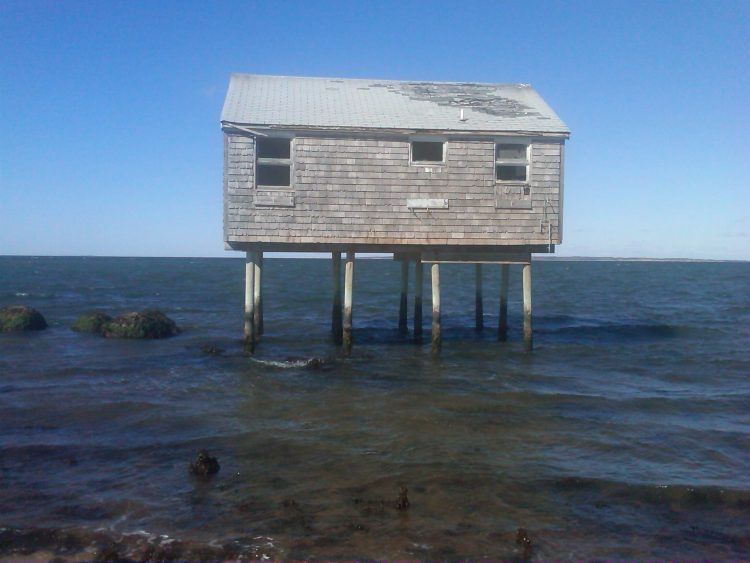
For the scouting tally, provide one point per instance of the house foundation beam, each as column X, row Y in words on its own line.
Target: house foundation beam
column 478, row 305
column 346, row 339
column 502, row 327
column 418, row 283
column 436, row 338
column 402, row 320
column 249, row 327
column 258, row 295
column 527, row 333
column 336, row 312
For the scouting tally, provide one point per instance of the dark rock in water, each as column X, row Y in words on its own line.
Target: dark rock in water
column 211, row 350
column 402, row 502
column 523, row 539
column 93, row 322
column 204, row 465
column 148, row 324
column 15, row 318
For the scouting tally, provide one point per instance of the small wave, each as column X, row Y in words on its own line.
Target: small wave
column 21, row 294
column 672, row 495
column 313, row 363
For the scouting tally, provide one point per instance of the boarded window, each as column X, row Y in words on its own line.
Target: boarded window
column 273, row 175
column 270, row 147
column 274, row 164
column 426, row 151
column 511, row 162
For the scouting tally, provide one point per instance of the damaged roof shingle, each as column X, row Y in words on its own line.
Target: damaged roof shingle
column 386, row 104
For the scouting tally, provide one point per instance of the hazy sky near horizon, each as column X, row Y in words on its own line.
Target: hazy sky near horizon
column 109, row 111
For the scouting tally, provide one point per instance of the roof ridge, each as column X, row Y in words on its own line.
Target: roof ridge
column 364, row 79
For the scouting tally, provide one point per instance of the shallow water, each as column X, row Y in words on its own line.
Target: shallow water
column 626, row 433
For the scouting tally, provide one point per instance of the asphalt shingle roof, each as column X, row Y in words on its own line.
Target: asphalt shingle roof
column 356, row 103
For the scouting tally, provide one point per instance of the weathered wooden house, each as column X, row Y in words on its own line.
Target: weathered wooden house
column 431, row 171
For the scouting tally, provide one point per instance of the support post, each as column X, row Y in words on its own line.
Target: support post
column 258, row 295
column 418, row 271
column 435, row 274
column 336, row 325
column 348, row 285
column 502, row 328
column 249, row 302
column 402, row 324
column 527, row 334
column 478, row 305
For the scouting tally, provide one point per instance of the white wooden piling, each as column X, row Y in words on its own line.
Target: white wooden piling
column 478, row 305
column 346, row 339
column 249, row 302
column 418, row 283
column 402, row 321
column 336, row 320
column 502, row 328
column 435, row 275
column 527, row 334
column 258, row 295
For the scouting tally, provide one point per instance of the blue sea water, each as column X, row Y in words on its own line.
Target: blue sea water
column 625, row 433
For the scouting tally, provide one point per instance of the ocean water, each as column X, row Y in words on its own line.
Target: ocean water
column 626, row 433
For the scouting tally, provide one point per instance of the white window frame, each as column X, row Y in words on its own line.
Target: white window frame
column 513, row 161
column 428, row 163
column 275, row 162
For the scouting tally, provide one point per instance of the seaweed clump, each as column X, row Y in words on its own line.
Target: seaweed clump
column 204, row 465
column 141, row 325
column 16, row 318
column 94, row 322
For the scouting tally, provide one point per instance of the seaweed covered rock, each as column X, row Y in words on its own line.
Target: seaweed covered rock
column 204, row 465
column 146, row 324
column 93, row 322
column 21, row 317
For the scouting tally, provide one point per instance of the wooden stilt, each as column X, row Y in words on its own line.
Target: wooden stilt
column 436, row 341
column 249, row 302
column 502, row 328
column 336, row 320
column 348, row 285
column 402, row 324
column 527, row 334
column 478, row 305
column 418, row 297
column 258, row 296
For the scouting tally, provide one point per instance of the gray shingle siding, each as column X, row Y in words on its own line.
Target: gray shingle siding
column 354, row 191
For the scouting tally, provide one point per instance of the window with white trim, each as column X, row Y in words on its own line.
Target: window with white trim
column 511, row 162
column 273, row 167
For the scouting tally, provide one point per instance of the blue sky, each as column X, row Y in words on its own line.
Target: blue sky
column 109, row 111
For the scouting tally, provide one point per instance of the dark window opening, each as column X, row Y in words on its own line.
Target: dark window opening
column 427, row 151
column 511, row 152
column 272, row 175
column 506, row 172
column 269, row 147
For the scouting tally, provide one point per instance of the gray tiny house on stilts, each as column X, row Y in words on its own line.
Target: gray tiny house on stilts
column 433, row 172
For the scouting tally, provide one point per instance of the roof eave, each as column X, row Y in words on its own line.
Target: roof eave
column 259, row 128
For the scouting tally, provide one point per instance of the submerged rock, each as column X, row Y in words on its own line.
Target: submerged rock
column 93, row 322
column 146, row 324
column 15, row 318
column 212, row 350
column 204, row 465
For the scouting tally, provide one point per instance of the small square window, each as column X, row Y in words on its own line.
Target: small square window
column 426, row 151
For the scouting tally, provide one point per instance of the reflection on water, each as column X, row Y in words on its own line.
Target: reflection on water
column 625, row 433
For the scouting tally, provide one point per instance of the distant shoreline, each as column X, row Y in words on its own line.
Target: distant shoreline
column 323, row 255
